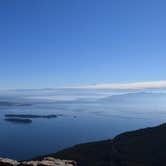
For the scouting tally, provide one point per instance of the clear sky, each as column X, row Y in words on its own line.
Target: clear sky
column 55, row 43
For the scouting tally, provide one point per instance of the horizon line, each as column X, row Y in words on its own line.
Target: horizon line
column 130, row 85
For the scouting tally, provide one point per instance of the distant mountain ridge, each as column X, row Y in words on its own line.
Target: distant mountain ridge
column 132, row 96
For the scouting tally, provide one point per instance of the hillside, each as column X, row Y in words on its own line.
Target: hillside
column 144, row 147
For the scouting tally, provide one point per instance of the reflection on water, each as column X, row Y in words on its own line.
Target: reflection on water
column 82, row 121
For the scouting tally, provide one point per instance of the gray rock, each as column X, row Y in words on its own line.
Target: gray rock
column 48, row 161
column 8, row 162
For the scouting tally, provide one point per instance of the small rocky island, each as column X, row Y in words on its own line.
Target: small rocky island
column 27, row 118
column 33, row 116
column 18, row 120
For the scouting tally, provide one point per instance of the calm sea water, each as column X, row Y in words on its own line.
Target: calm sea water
column 81, row 122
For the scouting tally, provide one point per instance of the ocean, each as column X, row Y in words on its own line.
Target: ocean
column 86, row 115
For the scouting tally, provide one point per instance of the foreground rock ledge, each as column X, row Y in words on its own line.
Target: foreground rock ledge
column 47, row 161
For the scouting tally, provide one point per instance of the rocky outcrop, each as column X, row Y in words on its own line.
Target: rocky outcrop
column 8, row 162
column 47, row 161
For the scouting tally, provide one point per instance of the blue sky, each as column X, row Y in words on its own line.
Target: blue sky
column 56, row 43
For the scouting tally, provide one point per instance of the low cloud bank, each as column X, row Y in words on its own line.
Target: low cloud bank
column 135, row 85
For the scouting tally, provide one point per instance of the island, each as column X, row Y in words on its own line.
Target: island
column 6, row 103
column 32, row 116
column 18, row 120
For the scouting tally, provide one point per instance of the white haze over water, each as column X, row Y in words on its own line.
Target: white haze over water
column 88, row 115
column 68, row 94
column 56, row 94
